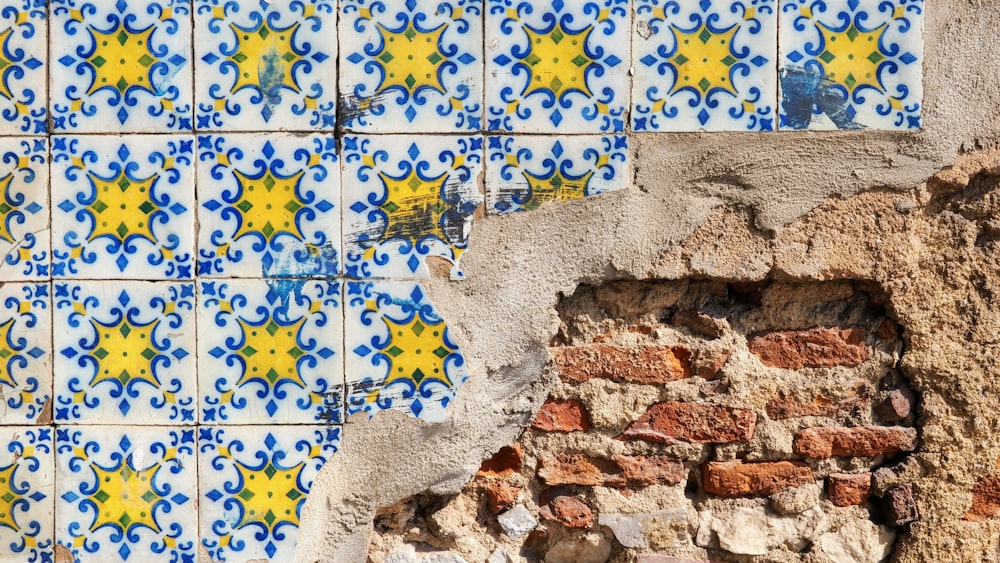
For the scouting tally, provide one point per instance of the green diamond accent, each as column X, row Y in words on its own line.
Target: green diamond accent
column 149, row 496
column 268, row 230
column 121, row 84
column 704, row 84
column 125, row 330
column 532, row 59
column 124, row 183
column 293, row 494
column 270, row 517
column 394, row 351
column 295, row 352
column 850, row 81
column 556, row 182
column 875, row 57
column 681, row 59
column 239, row 57
column 246, row 494
column 292, row 206
column 827, row 56
column 556, row 36
column 7, row 497
column 263, row 32
column 418, row 375
column 149, row 353
column 410, row 81
column 556, row 84
column 248, row 351
column 244, row 206
column 146, row 60
column 272, row 375
column 391, row 207
column 442, row 352
column 98, row 61
column 269, row 182
column 5, row 353
column 122, row 229
column 434, row 58
column 729, row 60
column 101, row 353
column 98, row 206
column 852, row 33
column 418, row 328
column 410, row 33
column 580, row 60
column 125, row 520
column 272, row 327
column 146, row 207
column 289, row 57
column 101, row 496
column 414, row 183
column 705, row 35
column 386, row 57
column 124, row 376
column 122, row 37
column 270, row 471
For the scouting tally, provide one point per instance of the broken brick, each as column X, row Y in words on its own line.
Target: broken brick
column 737, row 479
column 620, row 471
column 701, row 423
column 813, row 348
column 863, row 441
column 506, row 461
column 562, row 416
column 648, row 364
column 569, row 511
column 849, row 489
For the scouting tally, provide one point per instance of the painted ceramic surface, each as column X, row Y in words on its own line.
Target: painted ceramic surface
column 25, row 352
column 124, row 353
column 126, row 493
column 851, row 64
column 399, row 352
column 265, row 65
column 27, row 499
column 123, row 207
column 24, row 209
column 254, row 481
column 407, row 199
column 523, row 173
column 23, row 28
column 268, row 351
column 412, row 66
column 268, row 206
column 120, row 66
column 702, row 65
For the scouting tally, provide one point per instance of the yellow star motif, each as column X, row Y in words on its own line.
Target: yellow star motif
column 125, row 497
column 122, row 207
column 703, row 60
column 411, row 59
column 124, row 352
column 121, row 58
column 413, row 206
column 7, row 498
column 264, row 58
column 417, row 350
column 268, row 205
column 558, row 60
column 271, row 351
column 852, row 56
column 557, row 187
column 269, row 496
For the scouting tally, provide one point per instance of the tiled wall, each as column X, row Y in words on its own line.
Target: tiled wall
column 216, row 216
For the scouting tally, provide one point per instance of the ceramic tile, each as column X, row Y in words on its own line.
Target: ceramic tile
column 413, row 67
column 25, row 352
column 851, row 64
column 407, row 199
column 120, row 66
column 26, row 494
column 254, row 481
column 265, row 65
column 23, row 64
column 399, row 353
column 268, row 205
column 126, row 493
column 523, row 173
column 124, row 352
column 123, row 207
column 703, row 65
column 557, row 68
column 268, row 351
column 24, row 209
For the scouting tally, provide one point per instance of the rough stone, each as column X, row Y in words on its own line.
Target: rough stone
column 749, row 531
column 631, row 529
column 897, row 405
column 591, row 548
column 736, row 478
column 501, row 495
column 700, row 323
column 692, row 422
column 814, row 348
column 849, row 489
column 656, row 558
column 569, row 511
column 649, row 364
column 407, row 553
column 985, row 499
column 899, row 506
column 867, row 441
column 787, row 405
column 620, row 471
column 499, row 555
column 795, row 500
column 517, row 521
column 857, row 541
column 562, row 416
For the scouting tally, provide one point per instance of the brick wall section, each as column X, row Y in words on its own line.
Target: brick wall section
column 701, row 423
column 814, row 348
column 618, row 471
column 562, row 416
column 868, row 441
column 737, row 479
column 636, row 364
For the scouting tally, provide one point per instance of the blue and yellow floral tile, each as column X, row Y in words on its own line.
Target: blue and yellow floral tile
column 23, row 87
column 24, row 209
column 407, row 199
column 265, row 65
column 253, row 482
column 851, row 64
column 126, row 493
column 120, row 66
column 559, row 67
column 125, row 352
column 268, row 351
column 523, row 173
column 411, row 67
column 268, row 205
column 27, row 497
column 703, row 65
column 25, row 352
column 123, row 207
column 399, row 353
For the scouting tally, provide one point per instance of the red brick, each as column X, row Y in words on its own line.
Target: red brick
column 737, row 479
column 897, row 405
column 849, row 489
column 701, row 423
column 707, row 363
column 863, row 441
column 899, row 506
column 620, row 471
column 813, row 348
column 985, row 499
column 504, row 462
column 650, row 364
column 562, row 416
column 501, row 495
column 786, row 406
column 569, row 511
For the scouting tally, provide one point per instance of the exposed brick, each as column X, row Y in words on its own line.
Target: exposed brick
column 707, row 363
column 501, row 495
column 899, row 506
column 897, row 405
column 701, row 423
column 985, row 499
column 737, row 479
column 562, row 416
column 649, row 364
column 786, row 406
column 849, row 489
column 620, row 471
column 863, row 441
column 504, row 462
column 813, row 348
column 569, row 511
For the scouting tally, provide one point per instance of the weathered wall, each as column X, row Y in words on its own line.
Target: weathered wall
column 797, row 208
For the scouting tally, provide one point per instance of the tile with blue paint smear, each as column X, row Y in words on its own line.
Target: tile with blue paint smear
column 24, row 209
column 265, row 66
column 120, row 66
column 23, row 49
column 269, row 352
column 851, row 64
column 411, row 67
column 123, row 207
column 408, row 198
column 523, row 173
column 25, row 352
column 557, row 68
column 27, row 499
column 125, row 353
column 704, row 65
column 268, row 205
